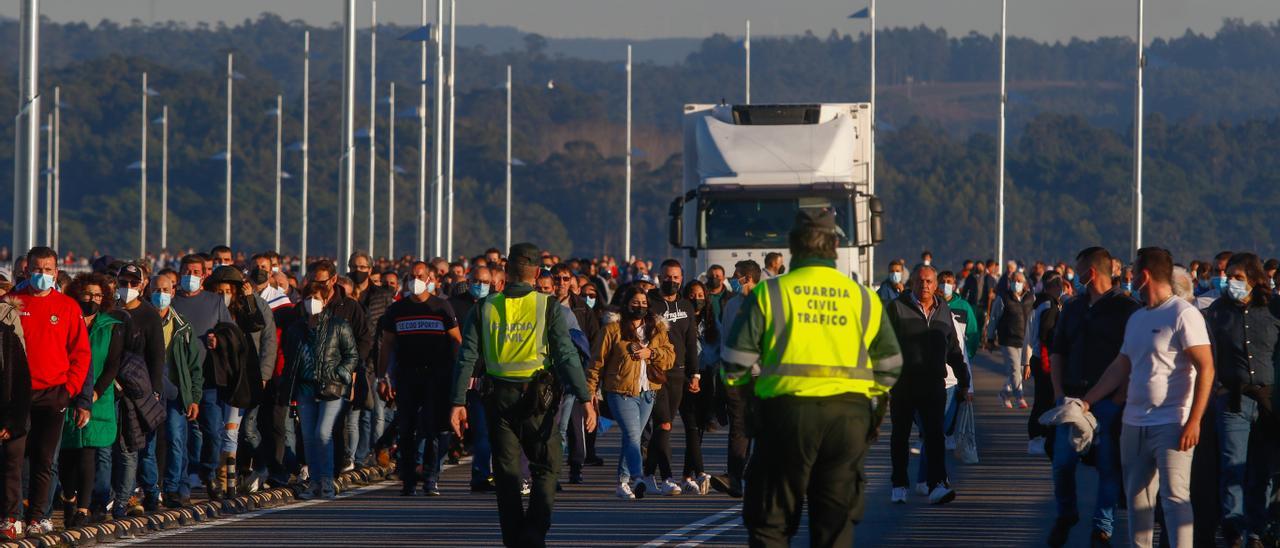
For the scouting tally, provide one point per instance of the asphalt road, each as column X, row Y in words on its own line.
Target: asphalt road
column 1005, row 500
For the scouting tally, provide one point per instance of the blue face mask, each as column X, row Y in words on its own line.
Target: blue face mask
column 1071, row 276
column 1237, row 289
column 1220, row 283
column 895, row 277
column 161, row 300
column 190, row 283
column 479, row 291
column 42, row 282
column 735, row 285
column 1127, row 286
column 591, row 301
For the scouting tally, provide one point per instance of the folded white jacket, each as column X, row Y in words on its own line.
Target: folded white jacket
column 1082, row 423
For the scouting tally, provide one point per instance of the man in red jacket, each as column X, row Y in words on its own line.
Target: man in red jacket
column 57, row 344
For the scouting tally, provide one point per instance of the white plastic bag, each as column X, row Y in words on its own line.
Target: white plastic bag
column 966, row 435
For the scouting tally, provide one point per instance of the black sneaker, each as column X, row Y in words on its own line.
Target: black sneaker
column 77, row 520
column 728, row 485
column 638, row 489
column 575, row 477
column 172, row 500
column 408, row 491
column 1061, row 529
column 481, row 487
column 593, row 461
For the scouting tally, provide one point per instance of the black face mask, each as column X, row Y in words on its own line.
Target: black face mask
column 714, row 284
column 358, row 277
column 88, row 308
column 669, row 287
column 699, row 304
column 634, row 312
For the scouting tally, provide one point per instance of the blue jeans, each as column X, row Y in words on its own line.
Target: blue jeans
column 1243, row 477
column 102, row 480
column 631, row 414
column 948, row 415
column 481, row 451
column 318, row 419
column 176, row 469
column 356, row 434
column 1107, row 462
column 124, row 473
column 214, row 417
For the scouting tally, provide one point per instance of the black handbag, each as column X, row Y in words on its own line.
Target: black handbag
column 332, row 391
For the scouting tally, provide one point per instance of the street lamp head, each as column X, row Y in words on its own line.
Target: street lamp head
column 221, row 156
column 134, row 166
column 863, row 13
column 151, row 92
column 420, row 34
column 158, row 120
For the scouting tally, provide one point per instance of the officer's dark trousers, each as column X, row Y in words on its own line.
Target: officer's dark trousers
column 808, row 451
column 513, row 428
column 736, row 401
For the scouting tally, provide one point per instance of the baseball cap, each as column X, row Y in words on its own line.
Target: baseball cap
column 130, row 272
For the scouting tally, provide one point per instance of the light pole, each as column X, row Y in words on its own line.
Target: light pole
column 306, row 152
column 373, row 111
column 746, row 47
column 48, row 180
column 453, row 59
column 347, row 186
column 1137, row 142
column 26, row 164
column 164, row 176
column 422, row 139
column 508, row 208
column 627, row 200
column 230, row 83
column 142, row 169
column 869, row 13
column 438, row 205
column 279, row 114
column 391, row 173
column 57, row 163
column 1004, row 100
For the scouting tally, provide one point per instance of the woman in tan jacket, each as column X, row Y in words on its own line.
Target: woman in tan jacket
column 631, row 360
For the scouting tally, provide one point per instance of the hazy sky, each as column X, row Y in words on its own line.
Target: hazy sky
column 1040, row 19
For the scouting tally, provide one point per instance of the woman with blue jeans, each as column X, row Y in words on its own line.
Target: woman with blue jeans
column 630, row 360
column 320, row 357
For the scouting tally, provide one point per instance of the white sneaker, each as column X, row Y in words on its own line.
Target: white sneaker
column 899, row 495
column 688, row 485
column 669, row 488
column 37, row 528
column 942, row 494
column 704, row 483
column 922, row 489
column 1035, row 447
column 651, row 485
column 525, row 487
column 624, row 491
column 304, row 474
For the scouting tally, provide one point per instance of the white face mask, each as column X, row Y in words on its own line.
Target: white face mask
column 948, row 290
column 418, row 287
column 313, row 306
column 1017, row 287
column 126, row 294
column 226, row 300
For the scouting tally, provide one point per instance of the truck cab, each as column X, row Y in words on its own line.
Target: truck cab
column 749, row 168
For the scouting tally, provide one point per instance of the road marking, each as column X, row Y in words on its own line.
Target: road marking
column 380, row 484
column 681, row 533
column 712, row 533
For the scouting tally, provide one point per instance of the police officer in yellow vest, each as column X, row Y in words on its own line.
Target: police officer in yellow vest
column 528, row 359
column 825, row 352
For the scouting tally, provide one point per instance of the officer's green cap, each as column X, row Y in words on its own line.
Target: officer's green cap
column 524, row 253
column 816, row 217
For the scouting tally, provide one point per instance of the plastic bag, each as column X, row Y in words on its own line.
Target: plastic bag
column 966, row 435
column 603, row 424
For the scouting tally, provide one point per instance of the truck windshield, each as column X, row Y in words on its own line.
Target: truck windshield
column 754, row 223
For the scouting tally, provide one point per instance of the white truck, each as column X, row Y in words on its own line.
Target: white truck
column 749, row 168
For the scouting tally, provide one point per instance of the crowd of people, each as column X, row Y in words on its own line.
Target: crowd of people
column 127, row 387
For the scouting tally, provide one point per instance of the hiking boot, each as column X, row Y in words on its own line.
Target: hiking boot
column 1061, row 529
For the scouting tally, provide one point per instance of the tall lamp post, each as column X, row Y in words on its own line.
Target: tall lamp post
column 1137, row 141
column 373, row 112
column 26, row 164
column 869, row 13
column 627, row 200
column 508, row 207
column 163, row 120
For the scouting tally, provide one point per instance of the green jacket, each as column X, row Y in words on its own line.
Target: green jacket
column 972, row 335
column 102, row 429
column 185, row 370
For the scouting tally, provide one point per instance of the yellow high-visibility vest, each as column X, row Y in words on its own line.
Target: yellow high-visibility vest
column 513, row 334
column 818, row 326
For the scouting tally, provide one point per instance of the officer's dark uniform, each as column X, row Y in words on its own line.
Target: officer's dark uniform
column 524, row 338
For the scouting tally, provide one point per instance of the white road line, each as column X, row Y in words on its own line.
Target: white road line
column 712, row 533
column 256, row 513
column 683, row 532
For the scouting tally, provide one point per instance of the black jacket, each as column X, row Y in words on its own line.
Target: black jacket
column 1011, row 329
column 1244, row 341
column 233, row 367
column 320, row 353
column 1088, row 337
column 351, row 312
column 928, row 346
column 683, row 324
column 15, row 375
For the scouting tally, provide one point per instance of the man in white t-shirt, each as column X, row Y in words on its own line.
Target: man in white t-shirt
column 1168, row 365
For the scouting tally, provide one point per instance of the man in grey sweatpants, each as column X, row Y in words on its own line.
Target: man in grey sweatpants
column 1167, row 362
